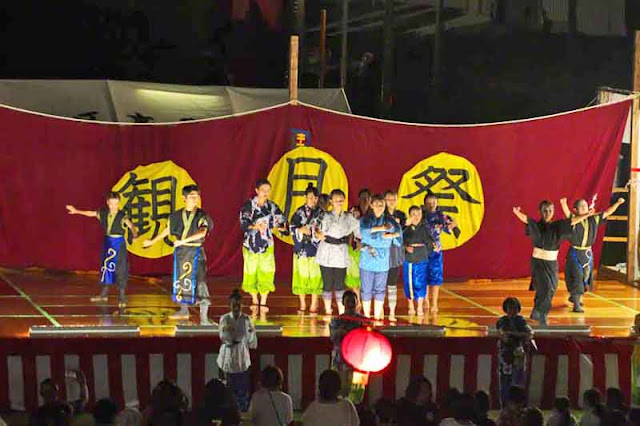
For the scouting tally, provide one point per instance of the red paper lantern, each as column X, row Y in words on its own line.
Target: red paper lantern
column 366, row 350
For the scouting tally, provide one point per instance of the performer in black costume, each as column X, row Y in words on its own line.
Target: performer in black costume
column 189, row 225
column 114, row 264
column 578, row 267
column 546, row 236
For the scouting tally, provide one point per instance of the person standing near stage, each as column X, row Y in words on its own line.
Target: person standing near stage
column 258, row 218
column 418, row 244
column 339, row 327
column 396, row 254
column 307, row 279
column 115, row 265
column 189, row 225
column 237, row 336
column 514, row 333
column 436, row 222
column 546, row 236
column 379, row 232
column 333, row 255
column 578, row 267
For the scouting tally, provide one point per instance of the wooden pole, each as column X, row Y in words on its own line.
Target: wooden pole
column 437, row 45
column 323, row 46
column 294, row 43
column 634, row 222
column 300, row 30
column 343, row 54
column 388, row 66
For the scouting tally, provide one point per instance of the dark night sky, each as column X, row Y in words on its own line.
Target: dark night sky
column 487, row 75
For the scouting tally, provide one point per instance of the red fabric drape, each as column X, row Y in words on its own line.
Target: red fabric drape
column 271, row 10
column 48, row 162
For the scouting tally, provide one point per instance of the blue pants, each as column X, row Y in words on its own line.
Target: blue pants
column 373, row 284
column 415, row 280
column 240, row 385
column 517, row 378
column 434, row 268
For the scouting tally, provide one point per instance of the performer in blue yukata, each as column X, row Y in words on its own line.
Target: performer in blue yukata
column 396, row 256
column 307, row 279
column 436, row 222
column 379, row 232
column 258, row 218
column 189, row 225
column 115, row 264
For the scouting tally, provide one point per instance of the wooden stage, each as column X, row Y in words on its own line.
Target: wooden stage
column 37, row 297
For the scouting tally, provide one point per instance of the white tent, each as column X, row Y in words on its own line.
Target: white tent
column 123, row 101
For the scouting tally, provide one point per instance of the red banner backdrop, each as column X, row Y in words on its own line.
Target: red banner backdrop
column 49, row 162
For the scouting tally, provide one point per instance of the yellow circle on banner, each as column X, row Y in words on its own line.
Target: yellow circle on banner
column 293, row 172
column 456, row 183
column 149, row 194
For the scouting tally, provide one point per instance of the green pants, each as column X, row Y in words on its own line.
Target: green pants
column 353, row 270
column 259, row 271
column 306, row 276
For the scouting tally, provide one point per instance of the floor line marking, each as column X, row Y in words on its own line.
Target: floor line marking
column 37, row 307
column 470, row 301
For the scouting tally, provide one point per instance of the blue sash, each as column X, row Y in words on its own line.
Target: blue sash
column 185, row 265
column 110, row 251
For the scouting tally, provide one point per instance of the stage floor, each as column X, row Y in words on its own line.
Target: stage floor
column 37, row 297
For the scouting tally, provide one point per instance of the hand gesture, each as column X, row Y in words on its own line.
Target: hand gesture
column 178, row 243
column 516, row 210
column 620, row 201
column 563, row 201
column 355, row 212
column 261, row 227
column 388, row 226
column 147, row 243
column 320, row 235
column 305, row 230
column 71, row 209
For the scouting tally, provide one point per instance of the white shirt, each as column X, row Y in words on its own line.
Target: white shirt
column 557, row 418
column 450, row 421
column 589, row 419
column 336, row 255
column 341, row 413
column 263, row 410
column 237, row 337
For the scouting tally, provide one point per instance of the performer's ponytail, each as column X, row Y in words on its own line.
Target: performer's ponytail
column 312, row 190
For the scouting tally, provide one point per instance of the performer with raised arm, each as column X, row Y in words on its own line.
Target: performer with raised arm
column 189, row 225
column 115, row 264
column 546, row 236
column 436, row 222
column 578, row 267
column 307, row 279
column 258, row 218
